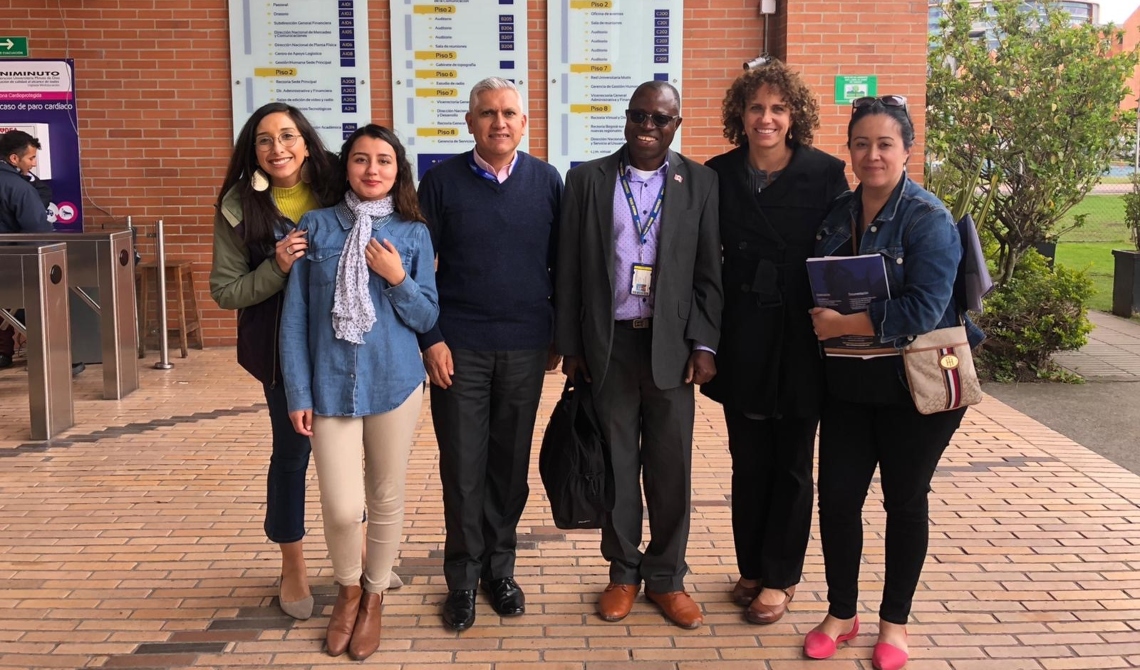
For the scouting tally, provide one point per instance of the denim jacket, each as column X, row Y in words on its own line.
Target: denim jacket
column 337, row 378
column 920, row 243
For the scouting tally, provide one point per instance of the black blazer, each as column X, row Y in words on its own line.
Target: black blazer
column 768, row 362
column 687, row 291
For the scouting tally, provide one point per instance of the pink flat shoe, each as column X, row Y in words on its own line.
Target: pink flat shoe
column 888, row 657
column 819, row 646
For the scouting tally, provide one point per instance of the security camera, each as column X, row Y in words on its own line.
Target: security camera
column 756, row 62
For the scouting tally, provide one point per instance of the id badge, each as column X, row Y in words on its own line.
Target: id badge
column 642, row 279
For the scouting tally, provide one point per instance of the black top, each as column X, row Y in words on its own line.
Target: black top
column 768, row 361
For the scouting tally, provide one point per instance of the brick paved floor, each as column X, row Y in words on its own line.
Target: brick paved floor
column 135, row 541
column 1112, row 352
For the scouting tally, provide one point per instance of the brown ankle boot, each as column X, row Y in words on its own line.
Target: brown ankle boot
column 343, row 619
column 366, row 635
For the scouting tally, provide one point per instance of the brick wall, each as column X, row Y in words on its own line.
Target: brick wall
column 153, row 84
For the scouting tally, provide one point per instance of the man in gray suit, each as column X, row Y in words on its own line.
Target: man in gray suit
column 638, row 301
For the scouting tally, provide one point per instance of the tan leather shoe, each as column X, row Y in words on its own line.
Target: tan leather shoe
column 343, row 619
column 617, row 600
column 762, row 614
column 678, row 607
column 742, row 595
column 366, row 634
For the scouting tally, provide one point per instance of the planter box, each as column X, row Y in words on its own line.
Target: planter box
column 1126, row 282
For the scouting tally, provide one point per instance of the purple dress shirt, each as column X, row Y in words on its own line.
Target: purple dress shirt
column 628, row 248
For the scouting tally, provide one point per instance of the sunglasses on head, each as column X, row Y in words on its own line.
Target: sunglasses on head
column 886, row 100
column 638, row 117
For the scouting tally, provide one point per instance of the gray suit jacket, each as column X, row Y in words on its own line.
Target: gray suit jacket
column 687, row 289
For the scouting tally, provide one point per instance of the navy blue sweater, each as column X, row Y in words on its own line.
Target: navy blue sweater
column 496, row 246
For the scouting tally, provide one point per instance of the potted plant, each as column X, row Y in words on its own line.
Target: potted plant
column 1126, row 268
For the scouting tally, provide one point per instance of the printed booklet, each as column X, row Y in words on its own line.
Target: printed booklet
column 848, row 284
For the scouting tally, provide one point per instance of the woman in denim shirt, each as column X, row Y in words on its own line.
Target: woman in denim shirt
column 352, row 369
column 868, row 417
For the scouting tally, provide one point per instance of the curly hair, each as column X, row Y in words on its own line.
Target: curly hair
column 801, row 101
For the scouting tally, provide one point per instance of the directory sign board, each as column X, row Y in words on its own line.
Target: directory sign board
column 312, row 54
column 599, row 51
column 439, row 51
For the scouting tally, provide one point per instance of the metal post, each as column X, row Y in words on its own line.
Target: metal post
column 163, row 337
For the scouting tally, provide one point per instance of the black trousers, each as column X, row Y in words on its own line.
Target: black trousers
column 771, row 495
column 285, row 492
column 650, row 434
column 906, row 445
column 484, row 424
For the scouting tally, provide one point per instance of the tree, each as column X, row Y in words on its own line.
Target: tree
column 1040, row 113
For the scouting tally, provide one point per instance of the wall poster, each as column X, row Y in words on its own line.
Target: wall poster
column 38, row 97
column 597, row 53
column 440, row 50
column 312, row 54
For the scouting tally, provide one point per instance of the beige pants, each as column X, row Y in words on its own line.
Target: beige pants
column 339, row 443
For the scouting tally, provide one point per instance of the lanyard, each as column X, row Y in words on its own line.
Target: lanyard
column 480, row 171
column 653, row 213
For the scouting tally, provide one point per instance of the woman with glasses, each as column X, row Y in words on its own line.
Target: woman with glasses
column 353, row 375
column 774, row 192
column 868, row 416
column 277, row 173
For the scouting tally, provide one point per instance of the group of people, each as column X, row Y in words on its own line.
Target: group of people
column 646, row 274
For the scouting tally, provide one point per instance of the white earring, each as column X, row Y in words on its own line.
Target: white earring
column 259, row 181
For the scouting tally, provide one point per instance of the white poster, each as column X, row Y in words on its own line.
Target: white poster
column 312, row 54
column 440, row 50
column 599, row 51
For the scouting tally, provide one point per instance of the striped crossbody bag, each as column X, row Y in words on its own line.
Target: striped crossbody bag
column 940, row 371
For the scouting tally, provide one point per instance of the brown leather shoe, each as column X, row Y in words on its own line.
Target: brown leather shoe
column 343, row 619
column 742, row 595
column 366, row 634
column 617, row 600
column 762, row 614
column 678, row 607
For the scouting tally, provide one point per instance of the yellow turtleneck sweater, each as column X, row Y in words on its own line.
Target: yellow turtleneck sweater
column 295, row 201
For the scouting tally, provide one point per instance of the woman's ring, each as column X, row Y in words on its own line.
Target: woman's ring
column 289, row 249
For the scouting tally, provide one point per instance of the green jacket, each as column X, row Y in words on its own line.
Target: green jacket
column 234, row 283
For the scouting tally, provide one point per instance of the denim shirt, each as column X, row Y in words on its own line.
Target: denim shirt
column 337, row 378
column 917, row 237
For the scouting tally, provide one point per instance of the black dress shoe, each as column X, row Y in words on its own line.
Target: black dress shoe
column 459, row 609
column 5, row 361
column 507, row 597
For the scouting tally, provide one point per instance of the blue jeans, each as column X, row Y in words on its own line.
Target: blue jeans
column 285, row 500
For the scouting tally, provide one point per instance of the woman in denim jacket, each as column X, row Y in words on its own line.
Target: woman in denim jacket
column 868, row 417
column 352, row 369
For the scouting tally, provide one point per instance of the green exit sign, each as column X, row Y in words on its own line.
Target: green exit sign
column 13, row 47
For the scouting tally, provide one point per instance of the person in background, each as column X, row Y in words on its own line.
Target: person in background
column 278, row 171
column 639, row 301
column 493, row 214
column 351, row 363
column 775, row 190
column 868, row 416
column 22, row 210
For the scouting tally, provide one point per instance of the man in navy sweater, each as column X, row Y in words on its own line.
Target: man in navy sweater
column 493, row 214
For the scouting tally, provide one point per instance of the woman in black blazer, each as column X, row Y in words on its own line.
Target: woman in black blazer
column 774, row 192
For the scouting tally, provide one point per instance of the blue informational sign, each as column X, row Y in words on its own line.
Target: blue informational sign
column 38, row 97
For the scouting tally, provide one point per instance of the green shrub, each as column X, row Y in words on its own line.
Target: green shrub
column 1132, row 210
column 1036, row 314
